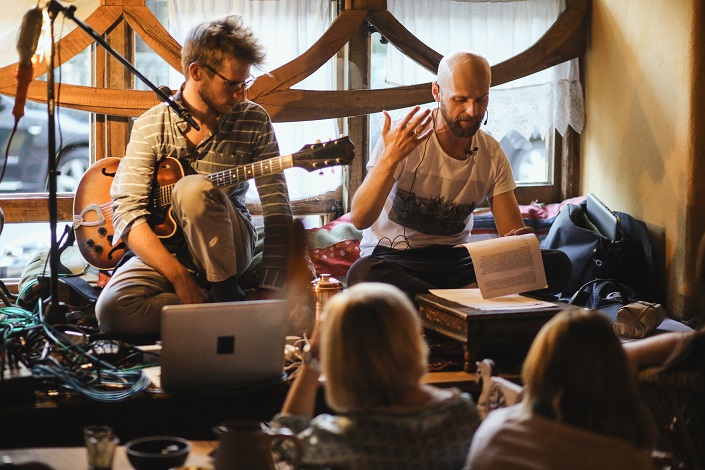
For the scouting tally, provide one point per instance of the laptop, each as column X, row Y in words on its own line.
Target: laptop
column 603, row 218
column 222, row 344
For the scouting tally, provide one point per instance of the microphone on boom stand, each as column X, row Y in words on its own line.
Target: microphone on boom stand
column 27, row 42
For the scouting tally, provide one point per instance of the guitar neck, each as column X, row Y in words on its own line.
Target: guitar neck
column 242, row 173
column 233, row 176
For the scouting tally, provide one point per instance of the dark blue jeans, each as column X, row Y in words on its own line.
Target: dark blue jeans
column 417, row 270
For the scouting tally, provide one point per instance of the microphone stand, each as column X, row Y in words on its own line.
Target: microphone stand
column 56, row 313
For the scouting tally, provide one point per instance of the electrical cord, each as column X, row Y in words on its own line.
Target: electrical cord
column 401, row 239
column 128, row 383
column 65, row 354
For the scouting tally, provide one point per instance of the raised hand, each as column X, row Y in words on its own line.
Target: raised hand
column 401, row 139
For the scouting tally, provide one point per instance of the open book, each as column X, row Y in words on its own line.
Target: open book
column 507, row 265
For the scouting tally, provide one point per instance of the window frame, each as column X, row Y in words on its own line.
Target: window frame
column 111, row 133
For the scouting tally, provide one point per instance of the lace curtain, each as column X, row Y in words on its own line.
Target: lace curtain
column 498, row 30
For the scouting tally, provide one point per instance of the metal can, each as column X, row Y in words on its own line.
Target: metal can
column 321, row 289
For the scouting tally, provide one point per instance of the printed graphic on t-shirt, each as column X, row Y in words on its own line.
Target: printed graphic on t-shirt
column 432, row 216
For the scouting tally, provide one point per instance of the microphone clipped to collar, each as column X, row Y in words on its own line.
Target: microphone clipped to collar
column 470, row 152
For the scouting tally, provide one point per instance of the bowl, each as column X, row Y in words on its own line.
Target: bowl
column 157, row 452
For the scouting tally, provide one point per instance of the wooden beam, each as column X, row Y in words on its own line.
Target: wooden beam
column 123, row 2
column 154, row 35
column 305, row 105
column 324, row 203
column 34, row 207
column 371, row 5
column 114, row 102
column 565, row 40
column 291, row 73
column 118, row 77
column 73, row 43
column 358, row 77
column 405, row 41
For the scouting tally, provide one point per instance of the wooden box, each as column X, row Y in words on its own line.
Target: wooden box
column 505, row 332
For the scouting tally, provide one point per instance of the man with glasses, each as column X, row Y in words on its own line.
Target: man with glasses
column 213, row 239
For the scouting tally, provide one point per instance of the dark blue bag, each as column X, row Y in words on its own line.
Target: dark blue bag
column 628, row 259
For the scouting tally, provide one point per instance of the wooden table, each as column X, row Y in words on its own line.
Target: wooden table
column 501, row 332
column 59, row 422
column 74, row 458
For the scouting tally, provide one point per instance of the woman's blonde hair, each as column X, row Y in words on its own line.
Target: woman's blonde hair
column 577, row 373
column 372, row 349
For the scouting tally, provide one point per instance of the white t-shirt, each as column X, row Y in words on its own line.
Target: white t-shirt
column 434, row 196
column 506, row 442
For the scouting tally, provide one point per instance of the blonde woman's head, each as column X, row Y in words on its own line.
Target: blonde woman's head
column 372, row 349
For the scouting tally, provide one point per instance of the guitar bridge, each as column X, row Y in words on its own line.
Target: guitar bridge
column 79, row 220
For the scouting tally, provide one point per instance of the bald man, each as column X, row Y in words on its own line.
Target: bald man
column 426, row 176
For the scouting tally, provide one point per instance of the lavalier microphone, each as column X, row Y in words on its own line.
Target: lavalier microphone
column 469, row 152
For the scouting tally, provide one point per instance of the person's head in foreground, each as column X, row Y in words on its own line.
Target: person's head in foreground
column 577, row 373
column 372, row 350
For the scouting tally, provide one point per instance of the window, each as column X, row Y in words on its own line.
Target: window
column 523, row 115
column 528, row 116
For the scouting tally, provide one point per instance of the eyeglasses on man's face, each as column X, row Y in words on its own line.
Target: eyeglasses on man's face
column 233, row 86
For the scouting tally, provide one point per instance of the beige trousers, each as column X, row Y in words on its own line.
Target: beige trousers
column 221, row 242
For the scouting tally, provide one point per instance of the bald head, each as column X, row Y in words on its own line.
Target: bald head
column 462, row 90
column 463, row 66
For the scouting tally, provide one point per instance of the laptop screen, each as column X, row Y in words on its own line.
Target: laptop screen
column 221, row 344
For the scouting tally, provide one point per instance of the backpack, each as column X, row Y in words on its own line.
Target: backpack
column 628, row 259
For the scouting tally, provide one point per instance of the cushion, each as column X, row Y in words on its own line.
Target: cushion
column 334, row 247
column 535, row 215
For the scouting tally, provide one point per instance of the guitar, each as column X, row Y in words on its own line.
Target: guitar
column 93, row 213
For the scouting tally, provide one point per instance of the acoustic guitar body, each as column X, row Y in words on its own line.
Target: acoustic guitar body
column 93, row 225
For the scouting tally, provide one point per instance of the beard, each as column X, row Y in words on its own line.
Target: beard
column 207, row 98
column 455, row 124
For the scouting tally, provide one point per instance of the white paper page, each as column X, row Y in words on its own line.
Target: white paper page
column 473, row 298
column 507, row 265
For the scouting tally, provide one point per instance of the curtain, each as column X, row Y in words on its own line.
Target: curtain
column 497, row 30
column 286, row 28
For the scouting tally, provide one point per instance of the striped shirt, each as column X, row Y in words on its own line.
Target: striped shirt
column 243, row 136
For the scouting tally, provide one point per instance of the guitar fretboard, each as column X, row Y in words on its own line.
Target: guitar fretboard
column 233, row 176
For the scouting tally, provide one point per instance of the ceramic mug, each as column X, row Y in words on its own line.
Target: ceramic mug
column 247, row 445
